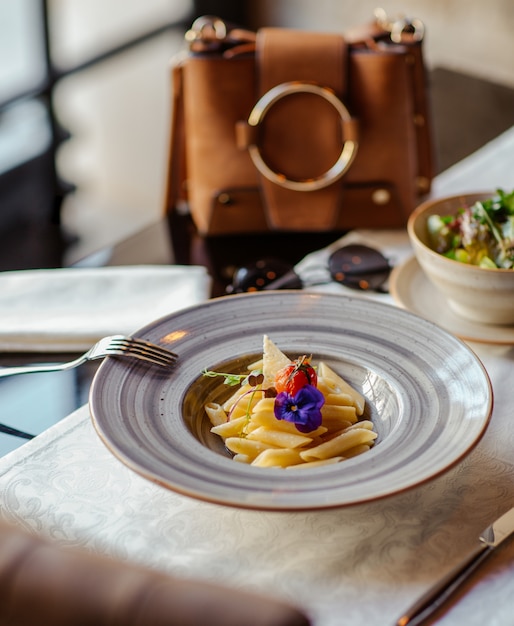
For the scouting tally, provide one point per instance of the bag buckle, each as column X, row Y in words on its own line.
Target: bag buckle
column 401, row 28
column 344, row 160
column 207, row 31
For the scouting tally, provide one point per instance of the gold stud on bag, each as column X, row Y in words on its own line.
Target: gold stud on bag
column 296, row 131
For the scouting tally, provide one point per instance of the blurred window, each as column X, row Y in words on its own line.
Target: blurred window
column 22, row 60
column 80, row 30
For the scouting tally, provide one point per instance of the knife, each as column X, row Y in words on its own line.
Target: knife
column 492, row 537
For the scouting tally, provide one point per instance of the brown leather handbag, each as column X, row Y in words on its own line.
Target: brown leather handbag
column 292, row 131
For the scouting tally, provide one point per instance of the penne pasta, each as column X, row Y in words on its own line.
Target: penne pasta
column 215, row 413
column 349, row 454
column 265, row 405
column 270, row 421
column 242, row 445
column 277, row 458
column 338, row 385
column 242, row 458
column 331, row 461
column 364, row 424
column 256, row 430
column 232, row 428
column 338, row 445
column 337, row 412
column 279, row 438
column 343, row 399
column 334, row 427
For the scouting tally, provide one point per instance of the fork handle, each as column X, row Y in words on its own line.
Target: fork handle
column 39, row 369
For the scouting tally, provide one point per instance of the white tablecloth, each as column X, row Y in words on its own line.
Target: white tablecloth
column 358, row 565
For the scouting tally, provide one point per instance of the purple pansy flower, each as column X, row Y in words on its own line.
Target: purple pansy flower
column 303, row 409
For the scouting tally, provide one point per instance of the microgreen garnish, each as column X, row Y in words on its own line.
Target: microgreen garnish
column 253, row 378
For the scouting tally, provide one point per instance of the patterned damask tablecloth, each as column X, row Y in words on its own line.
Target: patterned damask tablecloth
column 357, row 565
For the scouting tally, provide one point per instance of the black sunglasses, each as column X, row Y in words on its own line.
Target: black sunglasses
column 356, row 266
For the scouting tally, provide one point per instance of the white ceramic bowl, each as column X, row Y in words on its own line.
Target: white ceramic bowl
column 476, row 293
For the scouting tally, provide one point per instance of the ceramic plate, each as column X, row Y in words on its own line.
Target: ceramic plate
column 427, row 393
column 412, row 290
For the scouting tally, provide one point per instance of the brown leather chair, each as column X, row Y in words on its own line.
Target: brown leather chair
column 50, row 585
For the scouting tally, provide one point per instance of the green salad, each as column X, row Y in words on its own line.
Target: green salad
column 482, row 234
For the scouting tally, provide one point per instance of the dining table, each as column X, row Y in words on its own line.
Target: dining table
column 359, row 564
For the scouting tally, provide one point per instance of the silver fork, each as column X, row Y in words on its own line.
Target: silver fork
column 116, row 345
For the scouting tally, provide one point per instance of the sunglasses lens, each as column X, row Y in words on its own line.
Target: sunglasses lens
column 257, row 276
column 359, row 267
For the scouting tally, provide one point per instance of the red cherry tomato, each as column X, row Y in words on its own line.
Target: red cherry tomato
column 295, row 376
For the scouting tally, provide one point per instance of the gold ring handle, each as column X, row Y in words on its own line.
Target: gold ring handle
column 342, row 163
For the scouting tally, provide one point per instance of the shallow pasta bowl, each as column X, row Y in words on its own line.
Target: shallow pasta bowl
column 426, row 392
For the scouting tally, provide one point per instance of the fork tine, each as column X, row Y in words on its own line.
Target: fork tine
column 142, row 343
column 151, row 350
column 150, row 355
column 141, row 355
column 146, row 345
column 142, row 349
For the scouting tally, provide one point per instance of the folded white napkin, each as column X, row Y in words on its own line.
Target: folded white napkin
column 70, row 309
